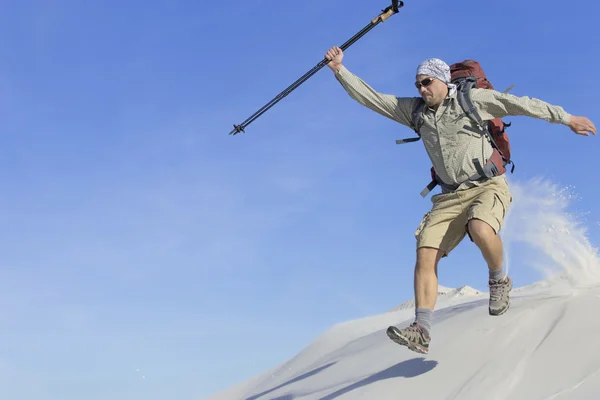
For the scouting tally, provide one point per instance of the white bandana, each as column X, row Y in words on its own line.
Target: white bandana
column 437, row 68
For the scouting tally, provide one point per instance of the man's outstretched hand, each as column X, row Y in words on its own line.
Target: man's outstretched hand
column 582, row 126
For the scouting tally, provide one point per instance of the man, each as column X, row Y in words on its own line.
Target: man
column 476, row 207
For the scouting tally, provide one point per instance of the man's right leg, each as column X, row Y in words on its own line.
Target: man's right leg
column 440, row 231
column 416, row 336
column 426, row 285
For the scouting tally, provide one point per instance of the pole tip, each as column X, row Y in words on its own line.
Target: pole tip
column 237, row 129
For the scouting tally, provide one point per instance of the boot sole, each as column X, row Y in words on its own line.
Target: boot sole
column 500, row 312
column 396, row 337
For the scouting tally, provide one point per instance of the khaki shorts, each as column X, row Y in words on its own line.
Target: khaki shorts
column 445, row 226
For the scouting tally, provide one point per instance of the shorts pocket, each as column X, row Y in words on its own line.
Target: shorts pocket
column 498, row 207
column 422, row 224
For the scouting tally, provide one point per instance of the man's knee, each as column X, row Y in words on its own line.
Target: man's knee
column 428, row 258
column 480, row 231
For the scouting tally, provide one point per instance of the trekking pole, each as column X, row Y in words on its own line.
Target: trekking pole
column 385, row 14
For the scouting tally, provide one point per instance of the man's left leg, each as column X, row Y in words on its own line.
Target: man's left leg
column 489, row 242
column 486, row 216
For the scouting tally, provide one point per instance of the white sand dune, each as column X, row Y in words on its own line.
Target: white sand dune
column 547, row 346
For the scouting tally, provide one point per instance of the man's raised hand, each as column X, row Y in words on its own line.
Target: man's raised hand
column 335, row 55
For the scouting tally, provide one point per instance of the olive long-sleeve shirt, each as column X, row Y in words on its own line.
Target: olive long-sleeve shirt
column 452, row 140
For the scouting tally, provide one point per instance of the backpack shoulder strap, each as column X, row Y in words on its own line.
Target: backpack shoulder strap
column 463, row 96
column 417, row 122
column 417, row 115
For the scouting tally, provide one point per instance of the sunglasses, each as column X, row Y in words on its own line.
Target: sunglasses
column 425, row 82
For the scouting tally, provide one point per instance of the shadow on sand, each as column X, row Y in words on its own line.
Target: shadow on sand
column 296, row 379
column 407, row 369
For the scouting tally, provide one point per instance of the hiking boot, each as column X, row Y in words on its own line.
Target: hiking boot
column 499, row 295
column 413, row 337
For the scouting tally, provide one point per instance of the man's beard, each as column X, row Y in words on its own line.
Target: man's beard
column 429, row 100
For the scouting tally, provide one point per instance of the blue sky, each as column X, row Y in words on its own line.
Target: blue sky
column 146, row 254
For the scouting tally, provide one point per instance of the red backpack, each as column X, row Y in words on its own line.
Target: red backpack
column 469, row 74
column 466, row 75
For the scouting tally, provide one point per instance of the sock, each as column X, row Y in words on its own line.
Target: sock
column 423, row 317
column 496, row 274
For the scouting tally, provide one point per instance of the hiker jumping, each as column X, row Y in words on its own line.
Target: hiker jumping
column 475, row 195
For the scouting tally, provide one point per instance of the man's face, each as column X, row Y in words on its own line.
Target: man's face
column 432, row 90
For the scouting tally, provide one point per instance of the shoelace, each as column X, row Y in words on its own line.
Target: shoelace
column 415, row 328
column 497, row 290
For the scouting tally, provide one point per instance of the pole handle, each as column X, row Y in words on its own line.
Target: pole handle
column 388, row 12
column 382, row 17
